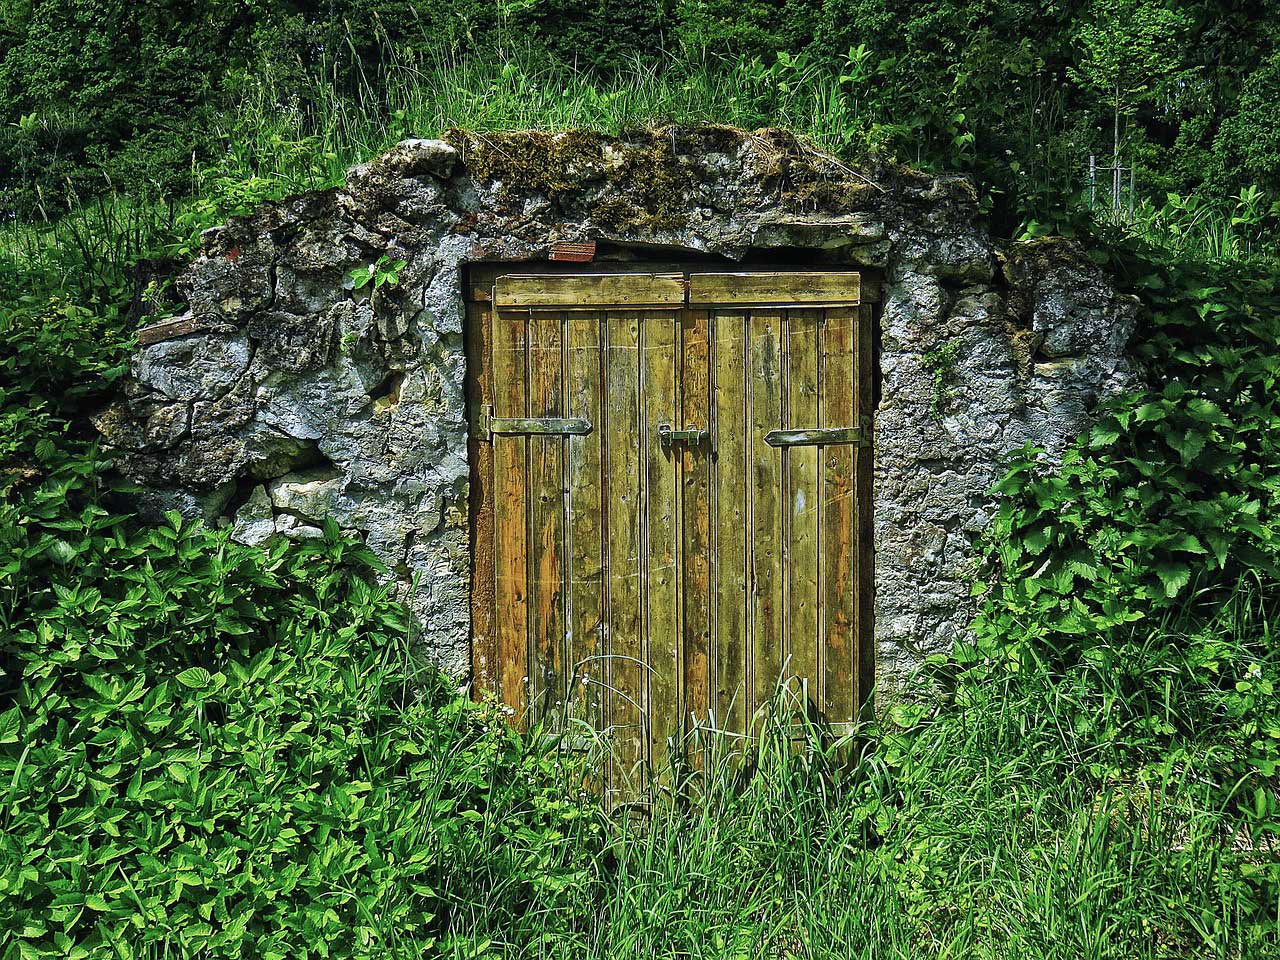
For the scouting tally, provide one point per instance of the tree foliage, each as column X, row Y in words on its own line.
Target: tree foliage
column 1019, row 93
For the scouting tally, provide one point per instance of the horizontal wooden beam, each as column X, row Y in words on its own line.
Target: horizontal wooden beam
column 588, row 291
column 827, row 289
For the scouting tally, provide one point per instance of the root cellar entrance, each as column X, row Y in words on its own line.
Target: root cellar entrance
column 634, row 491
column 672, row 482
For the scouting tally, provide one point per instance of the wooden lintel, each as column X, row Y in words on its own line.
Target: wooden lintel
column 589, row 291
column 791, row 289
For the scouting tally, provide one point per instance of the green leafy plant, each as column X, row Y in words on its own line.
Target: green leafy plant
column 208, row 749
column 379, row 272
column 940, row 361
column 1118, row 560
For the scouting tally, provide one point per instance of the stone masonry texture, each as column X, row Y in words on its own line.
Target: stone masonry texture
column 296, row 397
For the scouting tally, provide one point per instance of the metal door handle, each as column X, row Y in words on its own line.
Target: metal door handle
column 694, row 437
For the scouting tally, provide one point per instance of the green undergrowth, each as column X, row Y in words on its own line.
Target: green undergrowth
column 214, row 750
column 1117, row 559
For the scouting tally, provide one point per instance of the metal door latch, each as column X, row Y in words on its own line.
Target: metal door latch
column 667, row 436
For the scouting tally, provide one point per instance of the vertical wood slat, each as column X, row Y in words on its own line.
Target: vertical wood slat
column 864, row 540
column 804, row 330
column 662, row 531
column 623, row 520
column 510, row 516
column 732, row 696
column 766, row 506
column 837, row 533
column 695, row 520
column 546, row 528
column 479, row 390
column 585, row 591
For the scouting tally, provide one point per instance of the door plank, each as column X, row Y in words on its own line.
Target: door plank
column 731, row 699
column 479, row 391
column 661, row 586
column 546, row 528
column 695, row 521
column 838, row 410
column 804, row 329
column 585, row 589
column 766, row 505
column 510, row 516
column 762, row 290
column 623, row 521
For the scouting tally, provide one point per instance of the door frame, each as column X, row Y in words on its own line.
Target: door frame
column 477, row 282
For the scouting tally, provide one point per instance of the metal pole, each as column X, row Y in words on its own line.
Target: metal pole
column 1093, row 182
column 1131, row 181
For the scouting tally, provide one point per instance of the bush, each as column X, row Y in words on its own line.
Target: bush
column 1139, row 566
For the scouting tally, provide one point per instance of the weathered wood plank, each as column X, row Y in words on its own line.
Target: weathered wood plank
column 661, row 587
column 479, row 386
column 584, row 385
column 588, row 291
column 695, row 521
column 731, row 700
column 804, row 494
column 546, row 529
column 774, row 289
column 623, row 523
column 838, row 410
column 766, row 505
column 510, row 516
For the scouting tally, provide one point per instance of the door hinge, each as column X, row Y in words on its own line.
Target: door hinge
column 859, row 436
column 491, row 426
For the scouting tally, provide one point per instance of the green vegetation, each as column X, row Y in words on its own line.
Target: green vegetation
column 1019, row 94
column 208, row 750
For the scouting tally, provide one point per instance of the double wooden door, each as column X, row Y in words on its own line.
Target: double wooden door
column 672, row 499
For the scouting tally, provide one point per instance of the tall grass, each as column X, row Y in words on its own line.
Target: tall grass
column 1232, row 229
column 308, row 134
column 999, row 824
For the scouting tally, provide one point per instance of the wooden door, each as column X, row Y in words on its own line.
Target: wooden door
column 672, row 500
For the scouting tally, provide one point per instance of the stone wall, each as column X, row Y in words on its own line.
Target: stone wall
column 284, row 396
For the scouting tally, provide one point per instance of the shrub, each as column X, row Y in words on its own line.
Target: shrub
column 1140, row 564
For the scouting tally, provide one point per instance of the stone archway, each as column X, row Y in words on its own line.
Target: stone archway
column 284, row 395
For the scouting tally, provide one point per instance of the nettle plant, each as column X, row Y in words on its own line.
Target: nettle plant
column 210, row 749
